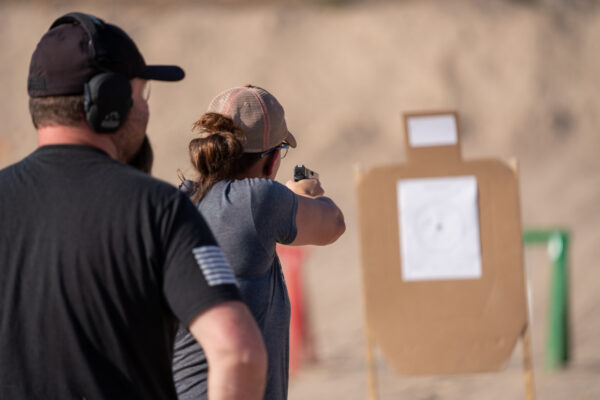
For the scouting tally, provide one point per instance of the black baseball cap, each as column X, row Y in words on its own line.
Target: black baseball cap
column 69, row 54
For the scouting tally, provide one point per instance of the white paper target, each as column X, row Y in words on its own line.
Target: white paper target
column 432, row 130
column 439, row 228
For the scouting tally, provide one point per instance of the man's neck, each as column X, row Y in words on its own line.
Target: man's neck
column 81, row 134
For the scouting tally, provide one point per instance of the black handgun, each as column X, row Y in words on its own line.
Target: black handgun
column 301, row 172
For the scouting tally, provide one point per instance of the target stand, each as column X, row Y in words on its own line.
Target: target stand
column 442, row 258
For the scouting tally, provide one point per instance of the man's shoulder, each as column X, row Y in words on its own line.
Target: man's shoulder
column 14, row 165
column 131, row 175
column 11, row 173
column 8, row 169
column 142, row 184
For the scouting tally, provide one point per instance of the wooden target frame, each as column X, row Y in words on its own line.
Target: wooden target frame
column 443, row 326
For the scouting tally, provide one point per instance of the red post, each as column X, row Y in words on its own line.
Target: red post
column 291, row 258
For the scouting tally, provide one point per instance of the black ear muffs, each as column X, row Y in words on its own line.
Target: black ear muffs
column 107, row 101
column 107, row 95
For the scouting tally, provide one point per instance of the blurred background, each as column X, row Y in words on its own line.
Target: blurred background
column 523, row 76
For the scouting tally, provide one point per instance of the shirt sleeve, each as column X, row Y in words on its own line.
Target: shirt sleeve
column 274, row 209
column 197, row 276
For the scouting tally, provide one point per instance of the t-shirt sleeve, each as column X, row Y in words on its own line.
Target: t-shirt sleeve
column 196, row 274
column 274, row 209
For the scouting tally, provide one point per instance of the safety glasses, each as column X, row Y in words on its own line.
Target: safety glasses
column 284, row 147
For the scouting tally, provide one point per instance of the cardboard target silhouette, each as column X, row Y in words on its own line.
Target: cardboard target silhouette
column 449, row 296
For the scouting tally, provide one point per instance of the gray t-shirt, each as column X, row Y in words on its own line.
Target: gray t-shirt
column 248, row 217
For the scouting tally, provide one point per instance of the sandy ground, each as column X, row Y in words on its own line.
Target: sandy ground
column 523, row 78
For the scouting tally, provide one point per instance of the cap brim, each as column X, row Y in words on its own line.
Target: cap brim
column 170, row 73
column 291, row 140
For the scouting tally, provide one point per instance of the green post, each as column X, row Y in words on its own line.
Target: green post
column 557, row 340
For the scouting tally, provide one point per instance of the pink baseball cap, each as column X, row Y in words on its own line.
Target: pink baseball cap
column 258, row 113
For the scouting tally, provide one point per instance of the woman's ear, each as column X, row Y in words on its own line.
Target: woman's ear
column 270, row 163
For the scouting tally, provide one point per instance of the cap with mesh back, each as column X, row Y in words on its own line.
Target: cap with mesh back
column 64, row 59
column 258, row 113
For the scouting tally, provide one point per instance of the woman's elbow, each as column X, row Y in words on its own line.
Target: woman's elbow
column 338, row 227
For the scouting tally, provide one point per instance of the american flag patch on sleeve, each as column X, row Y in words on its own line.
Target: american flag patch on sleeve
column 214, row 266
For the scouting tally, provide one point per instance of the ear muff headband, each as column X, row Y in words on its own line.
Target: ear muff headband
column 88, row 23
column 107, row 95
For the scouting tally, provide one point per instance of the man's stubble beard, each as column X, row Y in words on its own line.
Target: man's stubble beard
column 143, row 157
column 133, row 143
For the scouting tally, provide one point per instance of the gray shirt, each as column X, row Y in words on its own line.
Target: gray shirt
column 248, row 217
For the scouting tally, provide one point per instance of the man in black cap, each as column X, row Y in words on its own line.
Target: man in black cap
column 99, row 261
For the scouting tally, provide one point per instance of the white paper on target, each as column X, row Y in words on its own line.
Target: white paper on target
column 439, row 228
column 432, row 130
